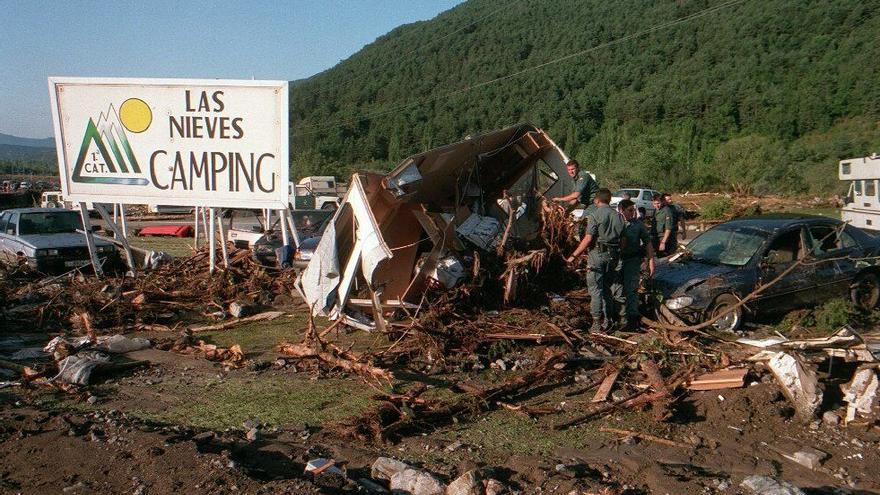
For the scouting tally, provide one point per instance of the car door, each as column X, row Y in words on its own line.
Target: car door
column 792, row 291
column 11, row 243
column 646, row 202
column 831, row 251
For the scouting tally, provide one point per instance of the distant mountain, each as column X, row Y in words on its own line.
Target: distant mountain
column 766, row 93
column 48, row 142
column 30, row 154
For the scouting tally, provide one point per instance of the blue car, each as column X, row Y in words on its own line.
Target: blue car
column 728, row 262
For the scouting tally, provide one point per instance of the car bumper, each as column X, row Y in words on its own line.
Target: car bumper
column 61, row 264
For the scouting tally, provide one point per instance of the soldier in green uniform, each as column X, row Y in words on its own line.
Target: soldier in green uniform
column 665, row 227
column 585, row 187
column 637, row 245
column 604, row 231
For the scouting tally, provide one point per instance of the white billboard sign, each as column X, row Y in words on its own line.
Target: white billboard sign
column 217, row 143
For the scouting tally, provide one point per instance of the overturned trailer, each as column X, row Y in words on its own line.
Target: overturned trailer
column 396, row 235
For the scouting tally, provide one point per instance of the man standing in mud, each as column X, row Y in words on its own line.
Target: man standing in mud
column 679, row 215
column 585, row 187
column 603, row 239
column 665, row 227
column 635, row 248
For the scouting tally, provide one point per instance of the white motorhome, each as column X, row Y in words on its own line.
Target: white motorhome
column 862, row 208
column 316, row 193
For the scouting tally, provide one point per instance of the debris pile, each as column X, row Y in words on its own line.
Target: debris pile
column 177, row 292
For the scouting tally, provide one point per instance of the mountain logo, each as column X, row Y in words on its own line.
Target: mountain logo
column 105, row 156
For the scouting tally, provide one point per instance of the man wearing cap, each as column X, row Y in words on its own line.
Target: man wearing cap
column 585, row 187
column 603, row 239
column 636, row 246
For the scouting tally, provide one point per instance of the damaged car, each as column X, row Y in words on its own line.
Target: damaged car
column 730, row 261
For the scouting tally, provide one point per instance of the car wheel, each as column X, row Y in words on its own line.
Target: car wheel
column 865, row 291
column 328, row 206
column 731, row 321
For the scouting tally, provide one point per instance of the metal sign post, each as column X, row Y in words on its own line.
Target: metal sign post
column 196, row 229
column 222, row 240
column 90, row 239
column 211, row 247
column 119, row 235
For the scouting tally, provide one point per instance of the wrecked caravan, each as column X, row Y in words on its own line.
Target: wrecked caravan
column 396, row 235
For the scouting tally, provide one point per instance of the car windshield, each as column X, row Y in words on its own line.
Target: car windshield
column 727, row 245
column 54, row 222
column 633, row 193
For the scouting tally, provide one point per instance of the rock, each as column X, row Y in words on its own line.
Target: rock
column 629, row 440
column 74, row 488
column 92, row 399
column 830, row 418
column 253, row 435
column 618, row 395
column 765, row 485
column 240, row 310
column 416, row 482
column 371, row 486
column 452, row 447
column 203, row 437
column 470, row 483
column 250, row 424
column 384, row 468
column 495, row 487
column 809, row 457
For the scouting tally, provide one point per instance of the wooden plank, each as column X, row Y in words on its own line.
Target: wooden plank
column 727, row 378
column 605, row 387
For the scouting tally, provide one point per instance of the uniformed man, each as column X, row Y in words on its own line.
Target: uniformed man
column 585, row 187
column 664, row 230
column 679, row 215
column 636, row 246
column 603, row 239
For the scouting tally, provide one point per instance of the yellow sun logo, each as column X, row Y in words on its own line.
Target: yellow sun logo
column 135, row 115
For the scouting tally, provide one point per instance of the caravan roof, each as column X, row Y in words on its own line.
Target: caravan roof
column 860, row 168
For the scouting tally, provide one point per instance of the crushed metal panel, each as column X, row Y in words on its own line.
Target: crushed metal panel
column 500, row 158
column 323, row 286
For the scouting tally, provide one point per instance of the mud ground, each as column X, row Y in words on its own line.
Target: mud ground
column 183, row 423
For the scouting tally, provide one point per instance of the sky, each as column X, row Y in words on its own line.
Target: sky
column 260, row 39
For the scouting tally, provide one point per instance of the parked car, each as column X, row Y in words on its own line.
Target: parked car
column 641, row 197
column 724, row 264
column 49, row 240
column 310, row 225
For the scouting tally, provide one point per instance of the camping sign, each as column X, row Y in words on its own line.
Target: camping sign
column 217, row 143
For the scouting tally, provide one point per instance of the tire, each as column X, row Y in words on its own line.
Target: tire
column 865, row 291
column 732, row 321
column 328, row 206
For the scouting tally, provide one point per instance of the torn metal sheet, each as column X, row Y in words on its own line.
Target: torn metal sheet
column 393, row 236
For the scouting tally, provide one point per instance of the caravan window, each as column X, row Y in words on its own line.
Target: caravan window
column 844, row 168
column 857, row 187
column 870, row 188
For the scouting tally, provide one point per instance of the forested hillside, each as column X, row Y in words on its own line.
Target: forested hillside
column 759, row 94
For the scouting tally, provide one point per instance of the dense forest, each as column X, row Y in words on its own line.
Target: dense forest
column 756, row 95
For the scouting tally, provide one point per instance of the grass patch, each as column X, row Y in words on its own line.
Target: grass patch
column 260, row 337
column 178, row 247
column 275, row 401
column 716, row 209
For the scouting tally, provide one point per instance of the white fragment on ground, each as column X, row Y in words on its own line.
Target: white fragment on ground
column 798, row 382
